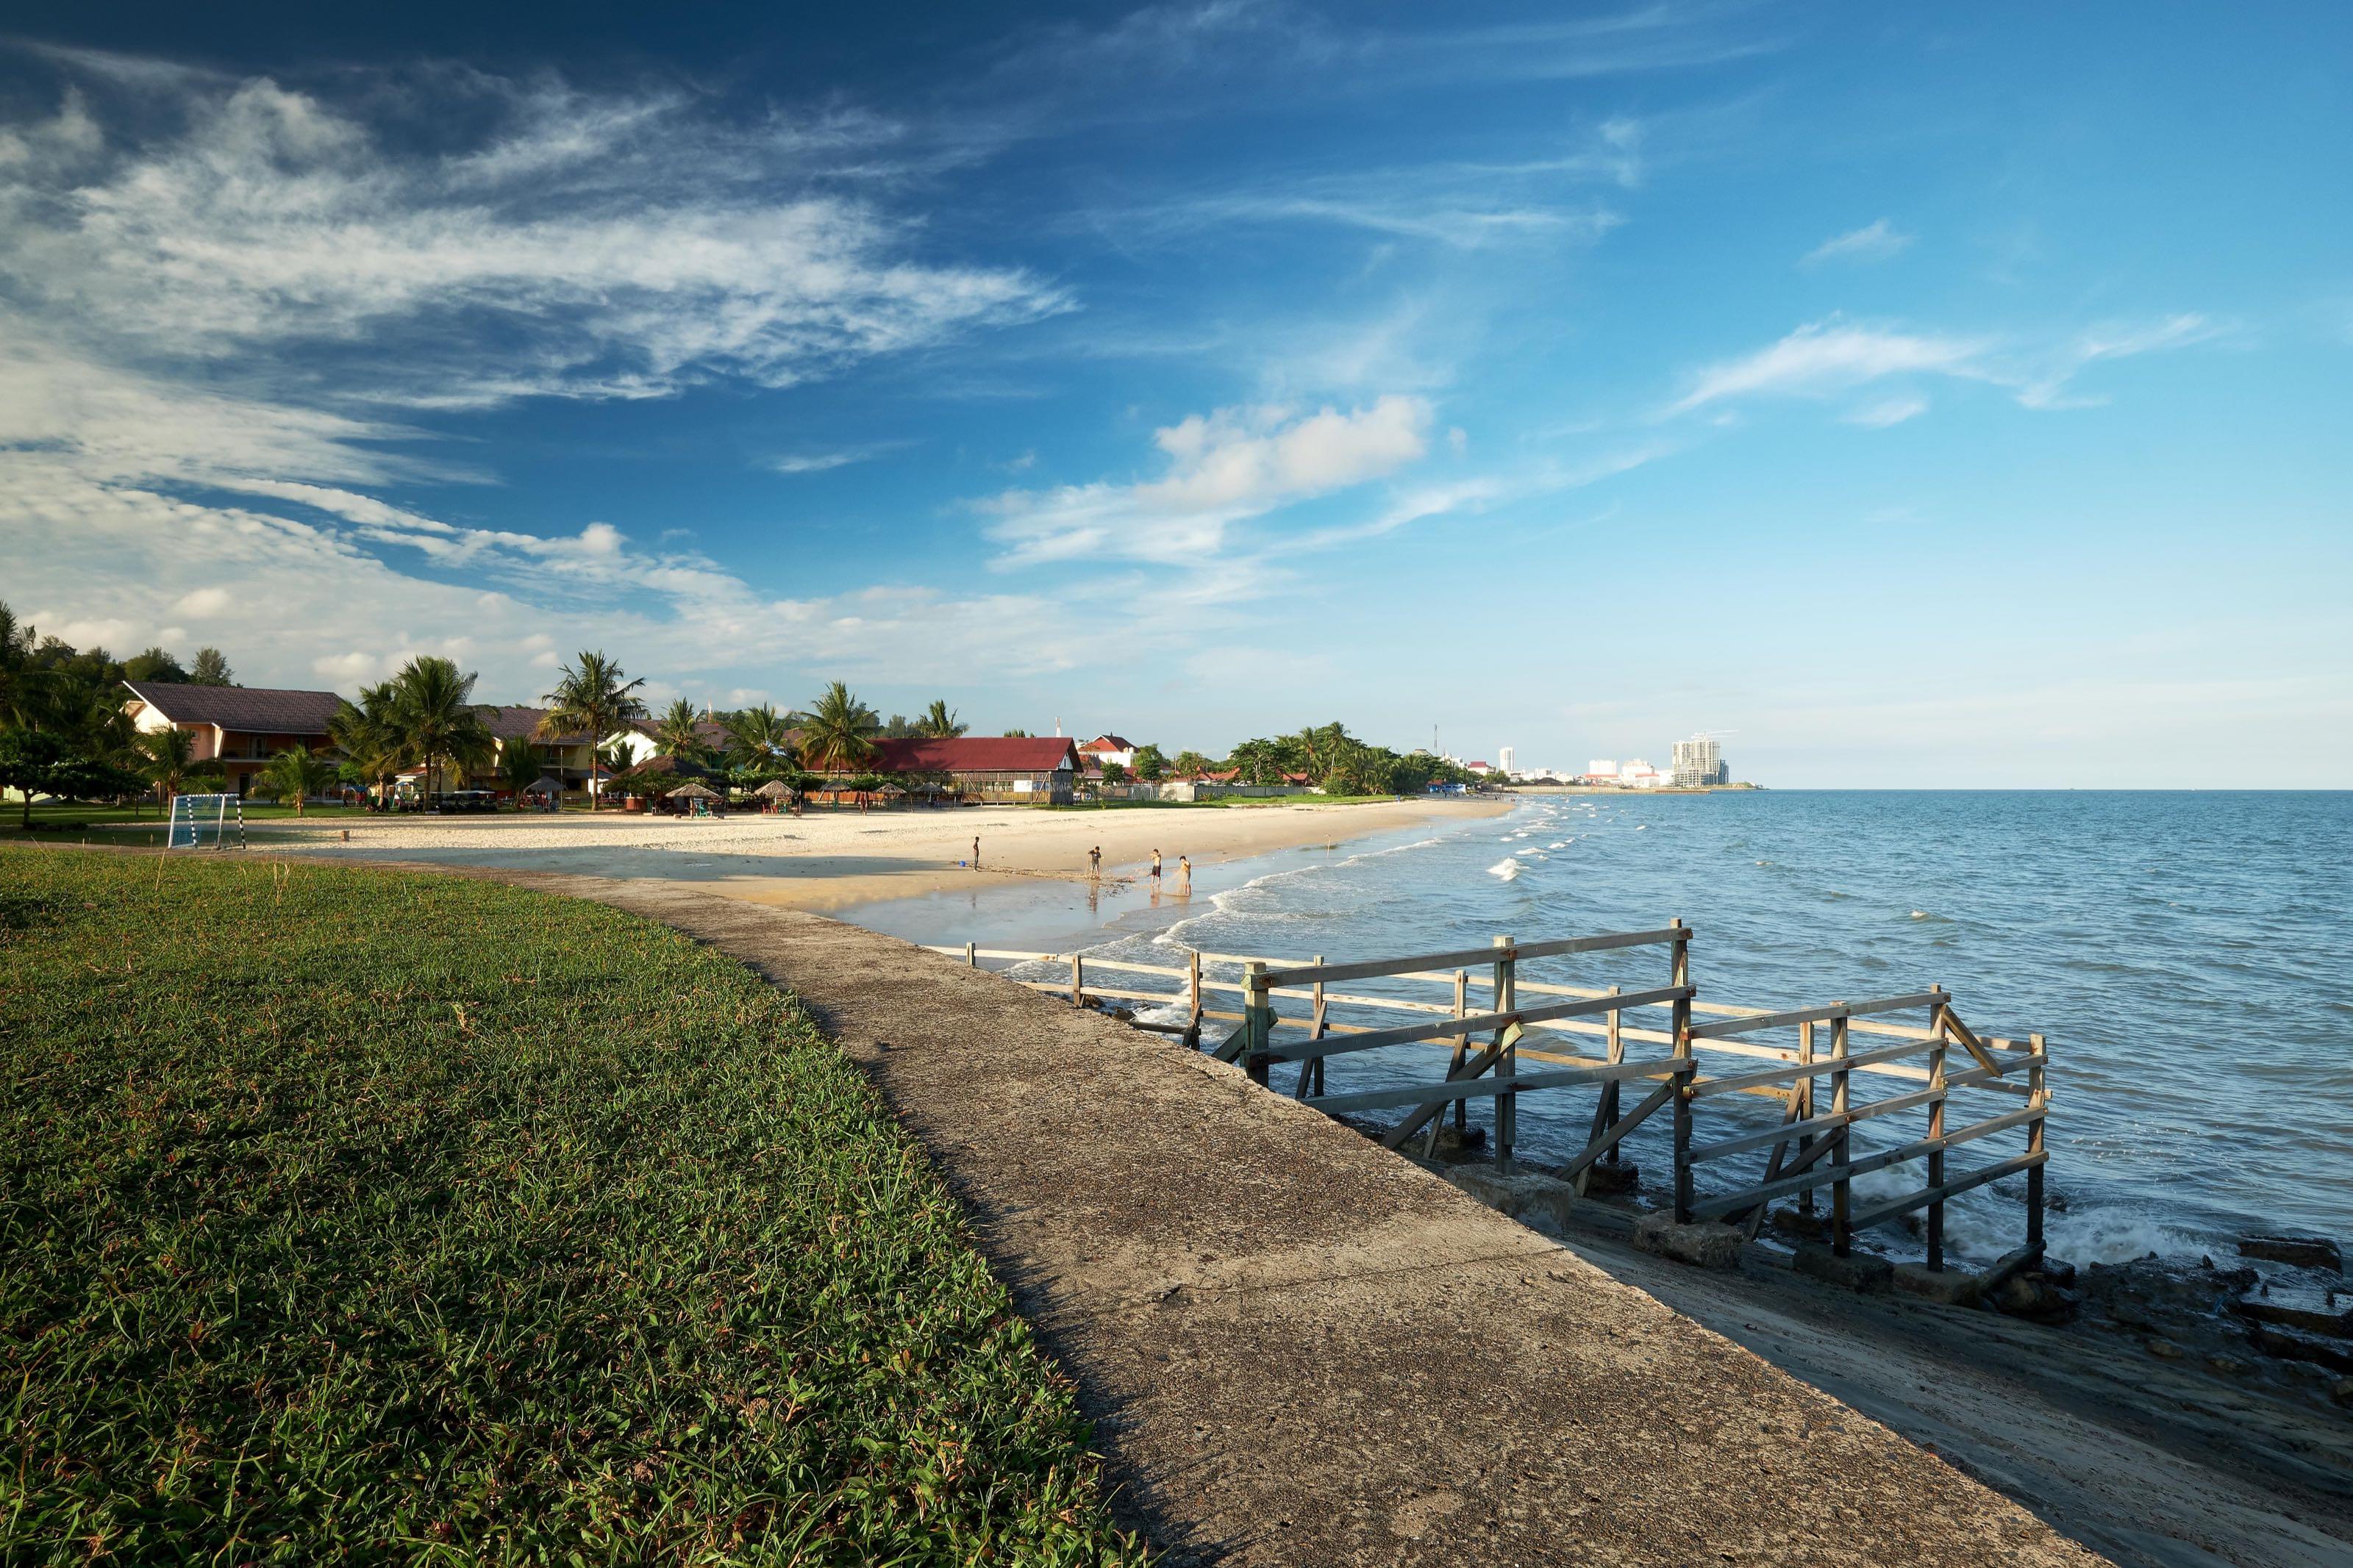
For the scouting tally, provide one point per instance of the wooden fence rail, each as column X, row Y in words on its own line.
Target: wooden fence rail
column 1810, row 1149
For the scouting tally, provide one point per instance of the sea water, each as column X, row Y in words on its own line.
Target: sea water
column 2188, row 956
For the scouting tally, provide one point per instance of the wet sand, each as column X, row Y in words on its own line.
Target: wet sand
column 833, row 860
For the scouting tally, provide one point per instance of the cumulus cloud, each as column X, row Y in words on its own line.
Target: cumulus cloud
column 1873, row 241
column 1223, row 467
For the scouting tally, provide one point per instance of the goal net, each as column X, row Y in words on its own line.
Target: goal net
column 205, row 822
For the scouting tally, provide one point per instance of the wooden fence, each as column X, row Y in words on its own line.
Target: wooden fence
column 1696, row 1058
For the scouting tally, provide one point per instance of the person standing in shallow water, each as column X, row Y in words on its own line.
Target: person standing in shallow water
column 1094, row 861
column 1155, row 865
column 1184, row 872
column 975, row 854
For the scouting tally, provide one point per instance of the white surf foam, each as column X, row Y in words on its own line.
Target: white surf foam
column 1506, row 869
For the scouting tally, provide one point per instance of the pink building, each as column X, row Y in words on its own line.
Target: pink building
column 244, row 726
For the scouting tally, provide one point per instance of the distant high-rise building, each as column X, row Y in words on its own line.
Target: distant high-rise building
column 1601, row 768
column 1508, row 760
column 1697, row 763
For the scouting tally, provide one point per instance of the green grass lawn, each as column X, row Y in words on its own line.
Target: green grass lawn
column 349, row 1216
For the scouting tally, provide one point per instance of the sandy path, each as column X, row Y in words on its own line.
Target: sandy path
column 835, row 859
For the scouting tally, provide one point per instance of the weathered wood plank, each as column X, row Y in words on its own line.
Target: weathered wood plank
column 1921, row 1199
column 1829, row 1013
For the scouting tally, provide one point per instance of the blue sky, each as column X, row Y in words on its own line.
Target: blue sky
column 1916, row 399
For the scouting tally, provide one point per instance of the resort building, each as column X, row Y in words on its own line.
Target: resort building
column 1109, row 749
column 1508, row 761
column 243, row 726
column 567, row 759
column 1023, row 770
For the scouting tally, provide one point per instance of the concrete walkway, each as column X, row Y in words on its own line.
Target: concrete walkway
column 1302, row 1350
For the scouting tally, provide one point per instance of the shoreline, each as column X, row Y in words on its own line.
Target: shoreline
column 833, row 861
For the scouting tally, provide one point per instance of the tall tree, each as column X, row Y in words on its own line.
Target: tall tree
column 433, row 712
column 678, row 732
column 211, row 669
column 1151, row 765
column 365, row 734
column 155, row 664
column 593, row 698
column 940, row 721
column 16, row 673
column 759, row 740
column 838, row 731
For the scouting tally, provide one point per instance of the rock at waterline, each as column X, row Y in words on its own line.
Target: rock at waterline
column 2301, row 1251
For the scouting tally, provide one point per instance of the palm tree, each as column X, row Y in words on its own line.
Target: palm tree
column 676, row 733
column 363, row 732
column 211, row 669
column 759, row 739
column 939, row 722
column 591, row 698
column 521, row 766
column 838, row 731
column 166, row 757
column 432, row 711
column 298, row 774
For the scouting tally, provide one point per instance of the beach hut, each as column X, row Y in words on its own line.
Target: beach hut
column 775, row 792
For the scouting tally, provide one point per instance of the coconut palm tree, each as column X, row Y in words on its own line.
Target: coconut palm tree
column 166, row 756
column 838, row 731
column 759, row 739
column 363, row 732
column 593, row 699
column 297, row 774
column 939, row 722
column 432, row 711
column 521, row 766
column 678, row 733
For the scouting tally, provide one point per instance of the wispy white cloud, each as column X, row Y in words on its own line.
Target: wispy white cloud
column 822, row 462
column 1831, row 356
column 1835, row 356
column 1874, row 241
column 614, row 246
column 1222, row 468
column 1888, row 411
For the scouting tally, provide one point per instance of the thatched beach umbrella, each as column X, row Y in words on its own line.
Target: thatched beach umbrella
column 774, row 789
column 694, row 789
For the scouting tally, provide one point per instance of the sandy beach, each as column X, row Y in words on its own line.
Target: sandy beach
column 831, row 860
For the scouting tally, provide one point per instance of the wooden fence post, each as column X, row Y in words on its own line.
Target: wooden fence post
column 1605, row 1110
column 1258, row 1022
column 1937, row 1011
column 1318, row 1062
column 1679, row 974
column 972, row 955
column 1841, row 1199
column 1507, row 1065
column 1193, row 988
column 1462, row 1052
column 1805, row 1113
column 1077, row 980
column 2040, row 1099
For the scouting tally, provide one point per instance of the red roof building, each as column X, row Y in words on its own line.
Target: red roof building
column 1024, row 769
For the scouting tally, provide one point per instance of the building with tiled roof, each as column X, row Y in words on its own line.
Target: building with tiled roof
column 242, row 726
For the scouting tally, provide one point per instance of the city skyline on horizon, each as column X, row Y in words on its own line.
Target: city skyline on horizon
column 1888, row 392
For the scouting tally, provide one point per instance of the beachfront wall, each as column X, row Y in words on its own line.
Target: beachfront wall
column 1192, row 789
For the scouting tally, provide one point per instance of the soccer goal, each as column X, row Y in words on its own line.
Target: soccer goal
column 200, row 821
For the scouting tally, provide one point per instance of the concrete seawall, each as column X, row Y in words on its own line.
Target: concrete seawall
column 1302, row 1350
